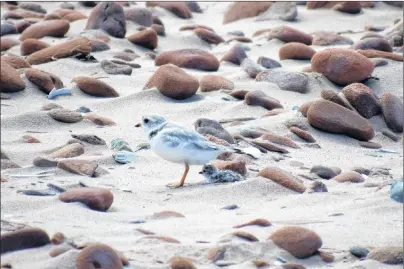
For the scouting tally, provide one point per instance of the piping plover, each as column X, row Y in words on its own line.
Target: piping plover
column 214, row 175
column 176, row 144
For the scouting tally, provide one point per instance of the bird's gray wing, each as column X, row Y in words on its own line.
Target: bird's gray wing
column 175, row 136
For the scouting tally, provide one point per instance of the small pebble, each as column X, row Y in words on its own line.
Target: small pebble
column 359, row 252
column 230, row 207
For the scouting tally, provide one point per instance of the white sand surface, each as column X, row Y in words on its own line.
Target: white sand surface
column 367, row 217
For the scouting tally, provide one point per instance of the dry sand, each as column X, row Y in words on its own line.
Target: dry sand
column 365, row 217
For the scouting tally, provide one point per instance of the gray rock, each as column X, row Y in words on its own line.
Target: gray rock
column 98, row 45
column 323, row 171
column 108, row 16
column 115, row 69
column 259, row 98
column 7, row 29
column 387, row 255
column 66, row 5
column 323, row 38
column 133, row 65
column 90, row 139
column 359, row 252
column 251, row 68
column 80, row 167
column 32, row 7
column 390, row 134
column 43, row 161
column 65, row 115
column 139, row 15
column 285, row 11
column 288, row 81
column 396, row 191
column 268, row 63
column 212, row 127
column 318, row 186
column 236, row 33
column 193, row 6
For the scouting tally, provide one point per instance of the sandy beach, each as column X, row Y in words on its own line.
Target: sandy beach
column 347, row 215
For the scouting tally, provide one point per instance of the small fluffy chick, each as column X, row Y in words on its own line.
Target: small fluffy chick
column 214, row 175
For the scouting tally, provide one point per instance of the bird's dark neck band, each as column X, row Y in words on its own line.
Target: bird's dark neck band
column 155, row 132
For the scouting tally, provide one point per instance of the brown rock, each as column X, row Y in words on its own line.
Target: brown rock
column 235, row 55
column 307, row 69
column 146, row 38
column 189, row 58
column 58, row 238
column 242, row 10
column 333, row 96
column 23, row 239
column 239, row 94
column 98, row 119
column 330, row 117
column 288, row 34
column 40, row 79
column 22, row 14
column 280, row 140
column 62, row 50
column 292, row 265
column 216, row 140
column 305, row 107
column 7, row 43
column 362, row 99
column 95, row 87
column 10, row 80
column 246, row 236
column 350, row 176
column 165, row 239
column 260, row 263
column 159, row 29
column 326, row 257
column 65, row 115
column 167, row 215
column 80, row 167
column 98, row 256
column 269, row 146
column 195, row 26
column 54, row 28
column 178, row 262
column 323, row 38
column 95, row 198
column 108, row 16
column 342, row 66
column 31, row 45
column 22, row 25
column 392, row 107
column 373, row 43
column 30, row 139
column 298, row 241
column 370, row 145
column 235, row 166
column 251, row 68
column 180, row 9
column 52, row 16
column 260, row 32
column 302, row 134
column 347, row 7
column 256, row 222
column 259, row 98
column 15, row 61
column 173, row 82
column 210, row 83
column 282, row 178
column 215, row 254
column 387, row 255
column 208, row 36
column 297, row 51
column 68, row 151
column 74, row 16
column 369, row 53
column 318, row 186
column 243, row 39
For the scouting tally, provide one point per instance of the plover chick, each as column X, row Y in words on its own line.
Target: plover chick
column 214, row 175
column 176, row 144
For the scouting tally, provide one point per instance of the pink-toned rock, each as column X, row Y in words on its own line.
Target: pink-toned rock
column 180, row 9
column 298, row 241
column 15, row 62
column 373, row 43
column 95, row 87
column 288, row 34
column 95, row 198
column 146, row 38
column 80, row 167
column 259, row 98
column 99, row 120
column 54, row 28
column 23, row 239
column 242, row 10
column 236, row 166
column 302, row 134
column 330, row 117
column 235, row 55
column 108, row 16
column 342, row 66
column 58, row 238
column 178, row 262
column 297, row 51
column 7, row 43
column 369, row 53
column 350, row 176
column 305, row 107
column 98, row 256
column 208, row 36
column 188, row 58
column 282, row 178
column 10, row 80
column 32, row 45
column 323, row 38
column 255, row 222
column 210, row 83
column 173, row 82
column 40, row 79
column 393, row 112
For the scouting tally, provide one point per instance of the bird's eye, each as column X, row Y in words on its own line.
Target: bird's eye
column 146, row 120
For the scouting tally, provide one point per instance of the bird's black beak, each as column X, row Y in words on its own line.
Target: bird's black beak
column 138, row 125
column 201, row 172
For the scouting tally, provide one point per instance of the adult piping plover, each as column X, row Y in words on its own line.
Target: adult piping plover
column 176, row 144
column 214, row 175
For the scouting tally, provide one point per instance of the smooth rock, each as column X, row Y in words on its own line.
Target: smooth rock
column 7, row 43
column 209, row 83
column 283, row 178
column 303, row 134
column 350, row 176
column 98, row 256
column 342, row 66
column 98, row 45
column 31, row 45
column 285, row 11
column 333, row 96
column 362, row 99
column 235, row 55
column 44, row 161
column 268, row 63
column 178, row 262
column 323, row 171
column 330, row 117
column 98, row 119
column 53, row 28
column 80, row 167
column 95, row 87
column 359, row 252
column 298, row 241
column 65, row 115
column 392, row 108
column 211, row 127
column 7, row 29
column 15, row 62
column 180, row 9
column 208, row 36
column 95, row 198
column 387, row 255
column 40, row 79
column 173, row 82
column 10, row 80
column 242, row 10
column 323, row 38
column 146, row 38
column 251, row 68
column 296, row 51
column 369, row 53
column 396, row 191
column 108, row 16
column 23, row 239
column 318, row 186
column 139, row 15
column 288, row 34
column 370, row 145
column 259, row 98
column 373, row 43
column 68, row 151
column 188, row 58
column 115, row 69
column 288, row 81
column 90, row 139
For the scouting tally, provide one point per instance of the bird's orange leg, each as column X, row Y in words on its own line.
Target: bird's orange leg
column 175, row 186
